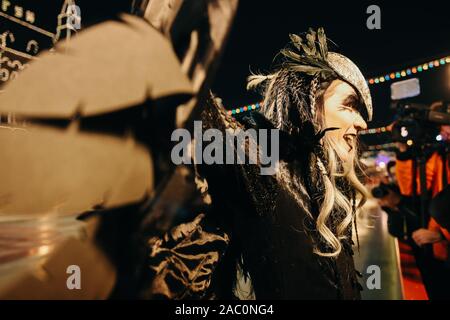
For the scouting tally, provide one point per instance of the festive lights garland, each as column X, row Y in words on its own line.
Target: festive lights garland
column 375, row 130
column 409, row 71
column 381, row 146
column 372, row 81
column 245, row 108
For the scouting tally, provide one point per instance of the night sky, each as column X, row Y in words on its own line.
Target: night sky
column 410, row 33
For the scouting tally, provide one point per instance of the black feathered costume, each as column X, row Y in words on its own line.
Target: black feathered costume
column 254, row 224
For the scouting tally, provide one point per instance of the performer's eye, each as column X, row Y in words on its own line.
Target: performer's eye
column 349, row 108
column 351, row 103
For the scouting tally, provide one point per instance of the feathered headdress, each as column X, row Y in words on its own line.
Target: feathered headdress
column 311, row 56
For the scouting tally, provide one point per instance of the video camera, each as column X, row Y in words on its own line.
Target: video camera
column 417, row 124
column 383, row 190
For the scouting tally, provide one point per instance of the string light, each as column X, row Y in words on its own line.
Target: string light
column 374, row 131
column 409, row 71
column 249, row 107
column 385, row 146
column 375, row 80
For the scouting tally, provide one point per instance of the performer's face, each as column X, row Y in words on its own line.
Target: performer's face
column 445, row 132
column 341, row 111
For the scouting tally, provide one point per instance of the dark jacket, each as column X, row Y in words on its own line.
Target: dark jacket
column 268, row 235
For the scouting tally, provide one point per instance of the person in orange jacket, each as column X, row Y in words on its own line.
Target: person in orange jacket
column 434, row 234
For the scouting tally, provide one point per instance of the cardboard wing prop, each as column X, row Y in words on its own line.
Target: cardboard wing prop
column 57, row 166
column 48, row 169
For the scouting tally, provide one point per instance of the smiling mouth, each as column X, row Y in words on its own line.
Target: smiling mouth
column 350, row 140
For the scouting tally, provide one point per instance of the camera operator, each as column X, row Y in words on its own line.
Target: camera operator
column 436, row 276
column 437, row 167
column 402, row 220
